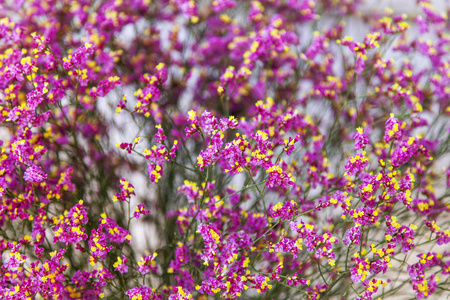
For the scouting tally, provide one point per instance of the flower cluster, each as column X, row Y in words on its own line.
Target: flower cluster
column 399, row 235
column 68, row 227
column 262, row 148
column 126, row 191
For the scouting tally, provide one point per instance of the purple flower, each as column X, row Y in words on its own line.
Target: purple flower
column 34, row 174
column 352, row 236
column 361, row 139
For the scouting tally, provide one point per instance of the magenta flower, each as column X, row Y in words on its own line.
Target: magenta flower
column 34, row 174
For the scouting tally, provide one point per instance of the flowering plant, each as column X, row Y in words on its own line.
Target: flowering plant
column 285, row 154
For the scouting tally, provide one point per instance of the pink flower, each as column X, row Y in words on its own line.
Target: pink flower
column 34, row 174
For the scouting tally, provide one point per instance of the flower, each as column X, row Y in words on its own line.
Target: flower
column 34, row 174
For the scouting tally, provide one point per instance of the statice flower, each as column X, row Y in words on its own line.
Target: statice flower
column 34, row 174
column 352, row 235
column 155, row 172
column 114, row 233
column 222, row 5
column 397, row 234
column 78, row 57
column 190, row 190
column 212, row 240
column 361, row 139
column 104, row 87
column 211, row 286
column 285, row 211
column 288, row 245
column 180, row 294
column 365, row 216
column 372, row 287
column 443, row 236
column 121, row 264
column 262, row 283
column 15, row 259
column 356, row 163
column 424, row 287
column 143, row 293
column 68, row 227
column 140, row 211
column 279, row 178
column 98, row 246
column 126, row 191
column 159, row 136
column 394, row 129
column 446, row 268
column 402, row 154
column 294, row 280
column 147, row 264
column 235, row 155
column 361, row 269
